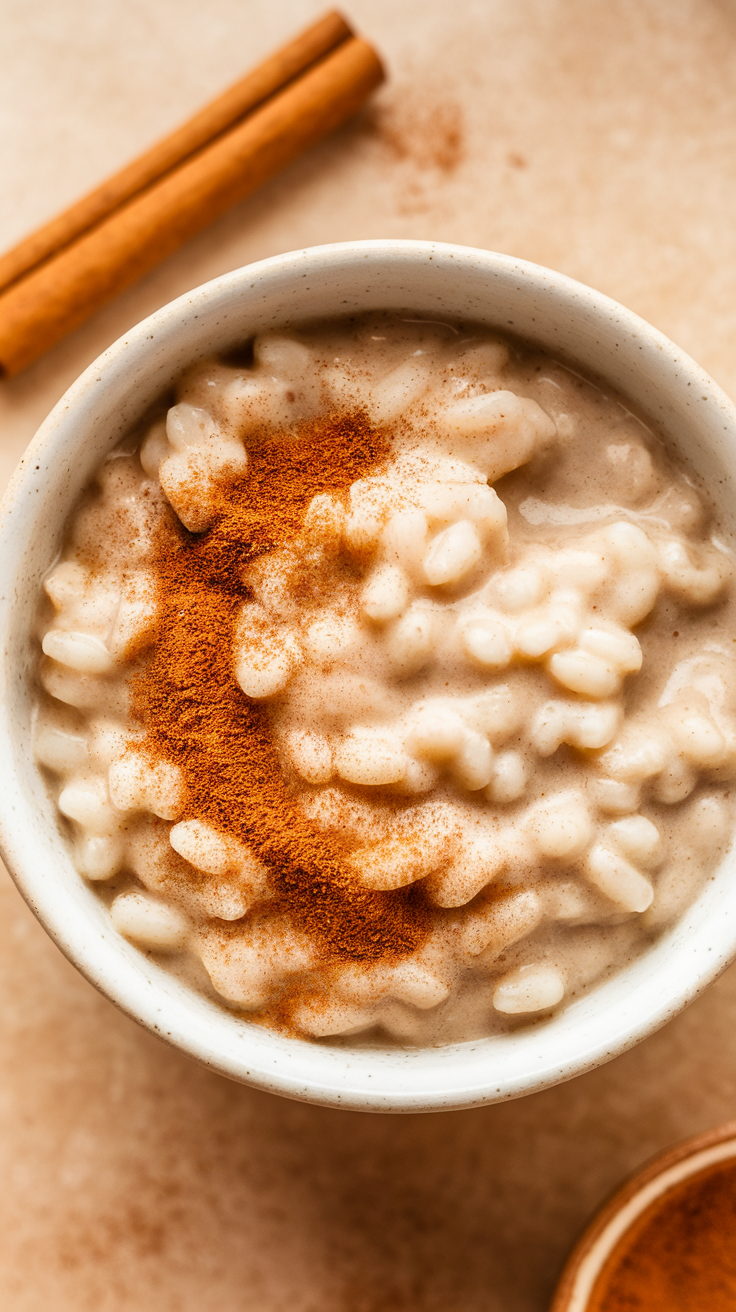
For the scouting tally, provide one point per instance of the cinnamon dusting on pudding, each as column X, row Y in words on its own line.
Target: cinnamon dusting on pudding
column 198, row 719
column 402, row 752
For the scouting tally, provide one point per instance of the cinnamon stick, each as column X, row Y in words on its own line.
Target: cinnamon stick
column 216, row 117
column 60, row 294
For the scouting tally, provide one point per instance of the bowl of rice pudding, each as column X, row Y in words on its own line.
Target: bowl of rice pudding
column 369, row 715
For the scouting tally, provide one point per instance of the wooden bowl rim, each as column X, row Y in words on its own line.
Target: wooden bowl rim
column 609, row 1225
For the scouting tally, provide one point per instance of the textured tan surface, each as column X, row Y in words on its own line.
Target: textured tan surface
column 597, row 136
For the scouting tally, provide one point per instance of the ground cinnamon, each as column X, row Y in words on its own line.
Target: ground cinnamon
column 681, row 1256
column 197, row 717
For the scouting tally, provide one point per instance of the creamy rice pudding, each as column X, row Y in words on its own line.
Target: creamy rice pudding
column 389, row 688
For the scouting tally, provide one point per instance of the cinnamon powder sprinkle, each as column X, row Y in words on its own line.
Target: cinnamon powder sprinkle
column 197, row 717
column 680, row 1256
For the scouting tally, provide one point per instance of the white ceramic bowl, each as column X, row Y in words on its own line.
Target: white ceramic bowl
column 434, row 281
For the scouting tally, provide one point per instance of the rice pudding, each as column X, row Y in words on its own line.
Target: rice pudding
column 389, row 688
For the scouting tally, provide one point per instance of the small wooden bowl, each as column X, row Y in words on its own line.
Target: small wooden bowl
column 610, row 1235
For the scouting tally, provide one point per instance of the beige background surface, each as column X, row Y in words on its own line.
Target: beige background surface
column 596, row 136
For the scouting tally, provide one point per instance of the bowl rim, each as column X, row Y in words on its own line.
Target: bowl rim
column 413, row 1080
column 609, row 1226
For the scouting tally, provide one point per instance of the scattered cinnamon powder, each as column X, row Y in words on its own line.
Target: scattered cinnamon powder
column 197, row 717
column 429, row 136
column 680, row 1256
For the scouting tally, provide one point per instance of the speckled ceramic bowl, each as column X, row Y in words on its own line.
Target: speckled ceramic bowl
column 604, row 1244
column 436, row 281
